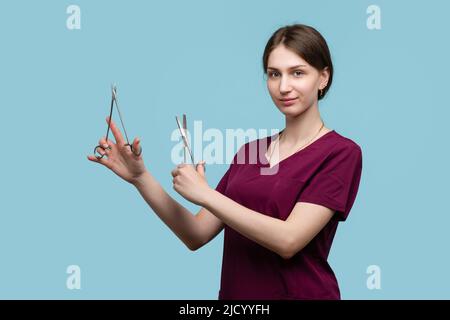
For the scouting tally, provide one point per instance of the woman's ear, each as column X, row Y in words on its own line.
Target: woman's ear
column 325, row 76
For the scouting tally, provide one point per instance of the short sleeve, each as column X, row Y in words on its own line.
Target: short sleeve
column 336, row 184
column 222, row 185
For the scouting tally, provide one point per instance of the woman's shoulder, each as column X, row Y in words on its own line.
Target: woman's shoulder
column 341, row 142
column 342, row 146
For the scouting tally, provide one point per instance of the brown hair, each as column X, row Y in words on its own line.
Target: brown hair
column 308, row 43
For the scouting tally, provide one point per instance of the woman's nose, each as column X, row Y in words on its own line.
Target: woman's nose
column 285, row 86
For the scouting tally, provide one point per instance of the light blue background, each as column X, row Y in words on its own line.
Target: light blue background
column 204, row 58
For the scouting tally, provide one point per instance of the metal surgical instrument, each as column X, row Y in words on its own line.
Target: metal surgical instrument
column 183, row 130
column 114, row 100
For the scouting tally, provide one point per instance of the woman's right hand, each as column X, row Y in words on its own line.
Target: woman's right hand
column 120, row 159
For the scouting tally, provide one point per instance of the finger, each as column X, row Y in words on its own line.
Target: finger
column 104, row 161
column 174, row 172
column 99, row 151
column 174, row 186
column 200, row 167
column 116, row 132
column 137, row 146
column 105, row 144
column 92, row 158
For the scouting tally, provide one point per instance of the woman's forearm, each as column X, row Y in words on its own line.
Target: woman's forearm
column 174, row 215
column 269, row 232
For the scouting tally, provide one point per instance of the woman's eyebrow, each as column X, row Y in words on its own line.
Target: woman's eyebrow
column 290, row 68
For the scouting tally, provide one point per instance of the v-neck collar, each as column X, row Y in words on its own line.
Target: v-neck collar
column 269, row 140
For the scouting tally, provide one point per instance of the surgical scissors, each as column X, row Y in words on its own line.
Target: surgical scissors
column 114, row 100
column 183, row 131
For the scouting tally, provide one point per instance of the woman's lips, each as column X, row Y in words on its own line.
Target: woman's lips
column 289, row 102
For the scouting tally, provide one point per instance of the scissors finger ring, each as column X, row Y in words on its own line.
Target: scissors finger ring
column 98, row 154
column 132, row 149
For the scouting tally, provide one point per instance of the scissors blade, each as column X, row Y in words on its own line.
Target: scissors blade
column 185, row 130
column 180, row 128
column 185, row 141
column 114, row 98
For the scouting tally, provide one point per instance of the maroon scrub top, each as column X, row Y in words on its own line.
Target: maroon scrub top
column 327, row 172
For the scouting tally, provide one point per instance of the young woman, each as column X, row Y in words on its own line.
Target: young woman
column 279, row 227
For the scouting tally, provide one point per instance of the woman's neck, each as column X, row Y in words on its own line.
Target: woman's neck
column 302, row 127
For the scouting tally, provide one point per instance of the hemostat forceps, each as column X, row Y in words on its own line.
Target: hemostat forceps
column 114, row 100
column 183, row 131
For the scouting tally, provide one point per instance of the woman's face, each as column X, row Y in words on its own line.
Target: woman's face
column 291, row 77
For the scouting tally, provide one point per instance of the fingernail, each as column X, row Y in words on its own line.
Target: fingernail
column 105, row 146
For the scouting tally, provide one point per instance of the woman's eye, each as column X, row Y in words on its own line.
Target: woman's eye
column 274, row 74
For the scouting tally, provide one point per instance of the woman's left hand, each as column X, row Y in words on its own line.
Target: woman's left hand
column 191, row 182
